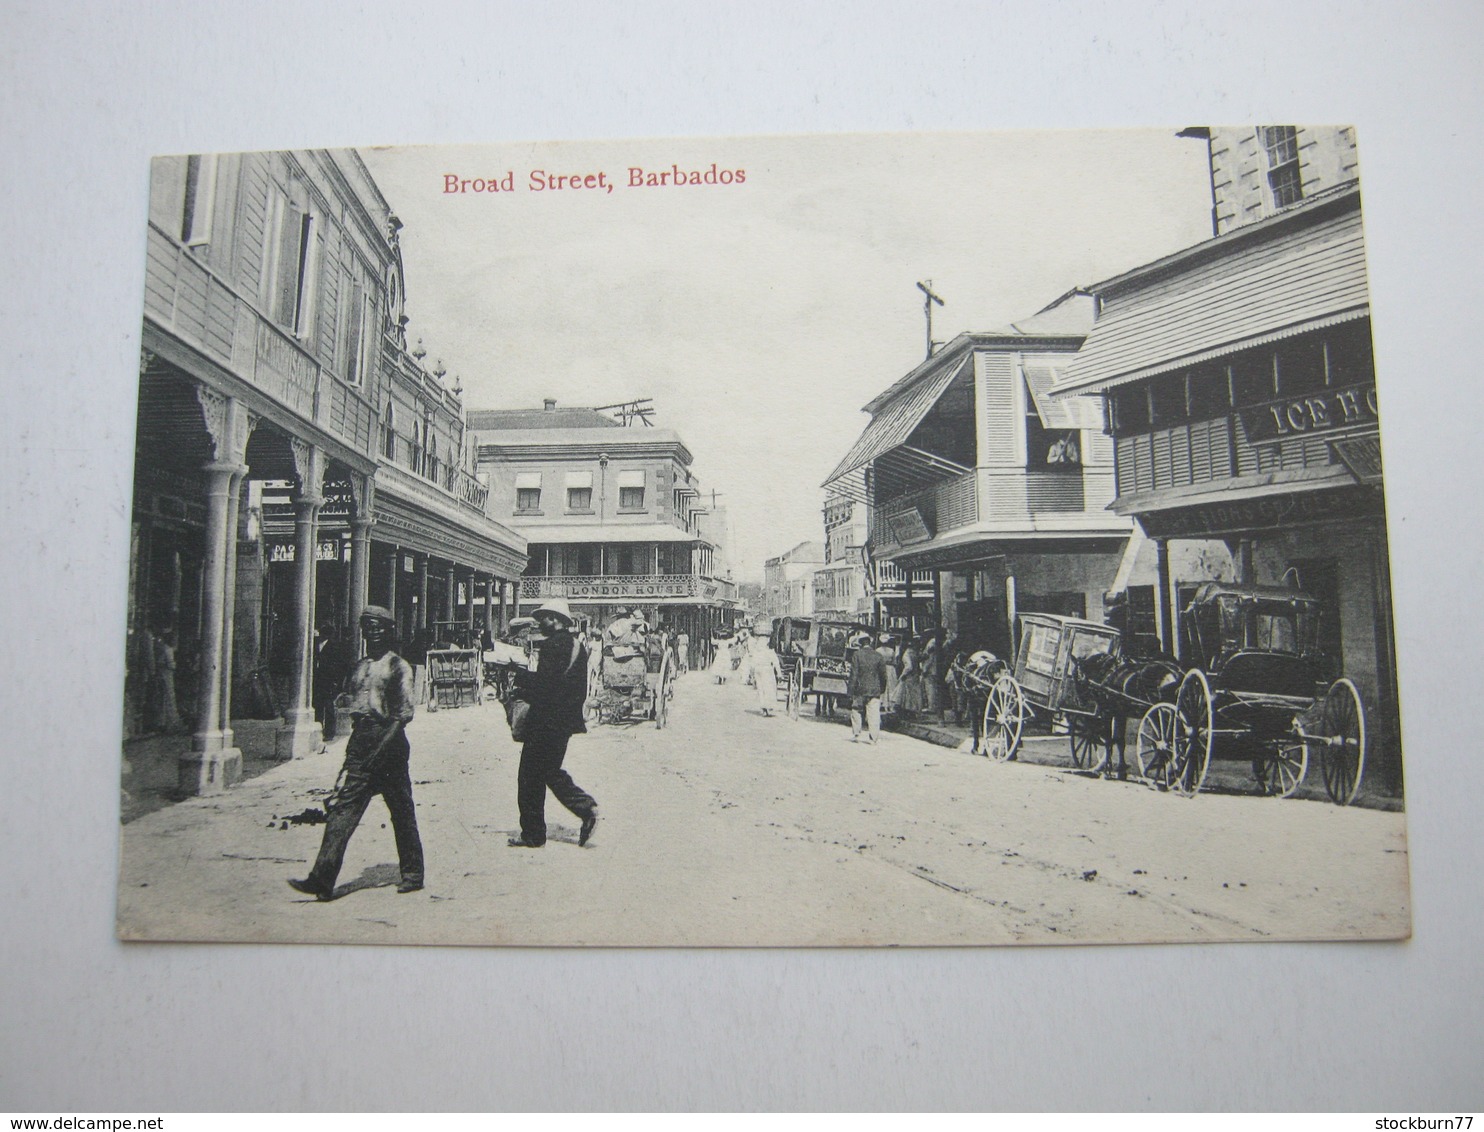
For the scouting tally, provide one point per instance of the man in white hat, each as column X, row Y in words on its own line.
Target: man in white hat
column 557, row 692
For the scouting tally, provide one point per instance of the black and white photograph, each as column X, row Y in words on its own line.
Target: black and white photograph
column 919, row 539
column 771, row 556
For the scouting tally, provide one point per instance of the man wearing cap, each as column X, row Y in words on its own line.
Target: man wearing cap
column 378, row 699
column 556, row 691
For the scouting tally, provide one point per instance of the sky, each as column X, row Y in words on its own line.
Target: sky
column 760, row 315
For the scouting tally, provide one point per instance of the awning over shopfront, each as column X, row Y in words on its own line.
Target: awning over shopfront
column 885, row 439
column 1296, row 272
column 610, row 533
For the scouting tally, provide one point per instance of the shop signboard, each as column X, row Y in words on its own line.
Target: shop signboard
column 1353, row 406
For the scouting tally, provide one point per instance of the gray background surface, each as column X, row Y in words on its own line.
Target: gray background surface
column 87, row 93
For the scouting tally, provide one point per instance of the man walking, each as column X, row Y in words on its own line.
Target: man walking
column 865, row 687
column 556, row 691
column 378, row 698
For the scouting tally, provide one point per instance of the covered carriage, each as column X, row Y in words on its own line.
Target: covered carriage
column 1043, row 684
column 1259, row 689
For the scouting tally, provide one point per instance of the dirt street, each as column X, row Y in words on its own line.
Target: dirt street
column 727, row 828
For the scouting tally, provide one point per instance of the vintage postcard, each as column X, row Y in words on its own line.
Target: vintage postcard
column 920, row 539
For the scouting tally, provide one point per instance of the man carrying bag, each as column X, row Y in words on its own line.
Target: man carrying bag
column 554, row 695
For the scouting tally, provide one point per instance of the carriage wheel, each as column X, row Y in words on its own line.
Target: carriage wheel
column 1004, row 719
column 1342, row 732
column 1284, row 767
column 1090, row 739
column 795, row 694
column 1155, row 750
column 1193, row 725
column 662, row 693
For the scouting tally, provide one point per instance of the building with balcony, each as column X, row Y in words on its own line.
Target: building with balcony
column 293, row 460
column 984, row 490
column 613, row 516
column 1241, row 393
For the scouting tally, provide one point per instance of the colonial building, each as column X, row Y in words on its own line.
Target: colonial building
column 976, row 476
column 840, row 584
column 293, row 460
column 788, row 580
column 1241, row 394
column 613, row 516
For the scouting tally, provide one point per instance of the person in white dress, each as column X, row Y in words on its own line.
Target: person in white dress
column 766, row 672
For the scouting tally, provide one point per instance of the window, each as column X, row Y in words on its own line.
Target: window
column 356, row 322
column 1210, row 395
column 430, row 469
column 415, row 448
column 288, row 267
column 1349, row 350
column 200, row 198
column 1129, row 405
column 629, row 558
column 1053, row 439
column 631, row 490
column 579, row 491
column 1167, row 400
column 1280, row 143
column 528, row 491
column 389, row 433
column 1300, row 367
column 1252, row 378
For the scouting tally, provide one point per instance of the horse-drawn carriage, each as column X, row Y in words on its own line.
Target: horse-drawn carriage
column 636, row 678
column 1044, row 684
column 1256, row 690
column 815, row 658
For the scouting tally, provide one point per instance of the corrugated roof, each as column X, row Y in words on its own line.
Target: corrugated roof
column 895, row 422
column 1298, row 278
column 492, row 419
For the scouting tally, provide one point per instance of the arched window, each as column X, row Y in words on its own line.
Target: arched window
column 432, row 468
column 389, row 431
column 415, row 455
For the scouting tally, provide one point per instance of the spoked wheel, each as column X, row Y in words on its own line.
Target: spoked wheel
column 1342, row 739
column 1284, row 767
column 1090, row 739
column 1155, row 750
column 1004, row 719
column 1193, row 725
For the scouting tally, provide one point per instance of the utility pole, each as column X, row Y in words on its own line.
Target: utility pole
column 926, row 287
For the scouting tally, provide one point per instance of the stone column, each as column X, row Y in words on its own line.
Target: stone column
column 300, row 734
column 360, row 553
column 360, row 570
column 421, row 620
column 451, row 593
column 211, row 765
column 469, row 613
column 1167, row 641
column 394, row 571
column 489, row 602
column 229, row 602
